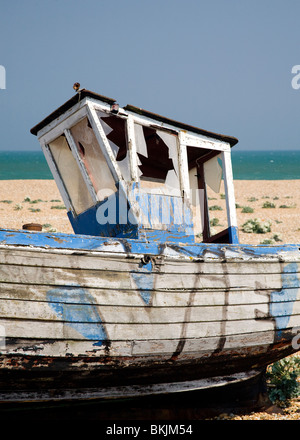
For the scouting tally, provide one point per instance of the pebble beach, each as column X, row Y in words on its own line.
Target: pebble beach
column 275, row 203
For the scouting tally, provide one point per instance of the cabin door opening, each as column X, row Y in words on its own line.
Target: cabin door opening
column 211, row 196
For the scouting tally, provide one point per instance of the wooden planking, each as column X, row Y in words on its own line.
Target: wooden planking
column 294, row 322
column 190, row 330
column 69, row 347
column 111, row 314
column 117, row 297
column 131, row 332
column 258, row 340
column 122, row 280
column 204, row 347
column 130, row 247
column 75, row 260
column 102, row 262
column 230, row 303
column 222, row 268
column 165, row 348
column 62, row 277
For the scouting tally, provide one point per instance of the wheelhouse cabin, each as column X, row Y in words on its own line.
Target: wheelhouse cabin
column 129, row 173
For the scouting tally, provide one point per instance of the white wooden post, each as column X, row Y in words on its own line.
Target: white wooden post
column 229, row 189
column 81, row 166
column 103, row 142
column 56, row 174
column 183, row 166
column 132, row 149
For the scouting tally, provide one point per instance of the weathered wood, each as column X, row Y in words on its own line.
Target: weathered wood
column 103, row 142
column 110, row 314
column 203, row 142
column 124, row 297
column 132, row 331
column 87, row 180
column 120, row 279
column 163, row 264
column 130, row 248
column 132, row 148
column 214, row 312
column 54, row 170
column 229, row 189
column 159, row 350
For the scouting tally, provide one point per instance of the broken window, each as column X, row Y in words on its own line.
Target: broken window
column 157, row 159
column 70, row 174
column 115, row 130
column 93, row 158
column 158, row 171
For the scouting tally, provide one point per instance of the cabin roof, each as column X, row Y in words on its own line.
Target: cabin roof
column 67, row 105
column 231, row 140
column 87, row 93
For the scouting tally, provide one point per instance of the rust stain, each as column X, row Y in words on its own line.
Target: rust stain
column 57, row 239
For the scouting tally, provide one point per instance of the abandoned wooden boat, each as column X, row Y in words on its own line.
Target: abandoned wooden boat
column 143, row 298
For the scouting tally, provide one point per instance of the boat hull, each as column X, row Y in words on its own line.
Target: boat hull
column 97, row 317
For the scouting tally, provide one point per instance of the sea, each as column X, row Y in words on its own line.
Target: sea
column 247, row 165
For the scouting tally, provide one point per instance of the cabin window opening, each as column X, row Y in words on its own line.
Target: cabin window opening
column 206, row 196
column 70, row 175
column 93, row 158
column 157, row 155
column 115, row 130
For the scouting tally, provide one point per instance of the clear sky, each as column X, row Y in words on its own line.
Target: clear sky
column 222, row 65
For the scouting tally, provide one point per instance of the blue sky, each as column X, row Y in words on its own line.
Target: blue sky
column 222, row 65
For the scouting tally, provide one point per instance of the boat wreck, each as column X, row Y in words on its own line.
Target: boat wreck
column 143, row 298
